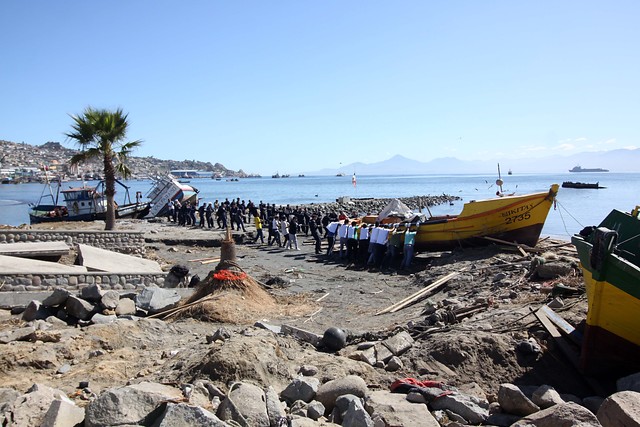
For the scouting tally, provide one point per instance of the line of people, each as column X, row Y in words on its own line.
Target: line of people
column 374, row 245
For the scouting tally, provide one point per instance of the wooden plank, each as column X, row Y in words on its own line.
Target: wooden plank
column 564, row 326
column 566, row 348
column 417, row 295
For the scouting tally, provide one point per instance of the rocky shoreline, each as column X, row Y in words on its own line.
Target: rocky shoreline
column 471, row 352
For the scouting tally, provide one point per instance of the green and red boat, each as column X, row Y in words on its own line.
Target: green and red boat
column 610, row 261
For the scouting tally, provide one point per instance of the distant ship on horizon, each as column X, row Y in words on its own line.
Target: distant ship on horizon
column 581, row 169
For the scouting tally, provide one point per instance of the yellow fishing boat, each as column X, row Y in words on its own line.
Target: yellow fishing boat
column 610, row 261
column 511, row 218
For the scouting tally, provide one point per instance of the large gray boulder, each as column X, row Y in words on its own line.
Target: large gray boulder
column 275, row 411
column 79, row 308
column 620, row 409
column 303, row 388
column 110, row 299
column 356, row 415
column 471, row 408
column 58, row 297
column 63, row 413
column 33, row 311
column 245, row 403
column 91, row 293
column 183, row 415
column 563, row 415
column 351, row 384
column 125, row 307
column 399, row 343
column 17, row 334
column 155, row 299
column 128, row 405
column 513, row 401
column 546, row 396
column 394, row 410
column 31, row 408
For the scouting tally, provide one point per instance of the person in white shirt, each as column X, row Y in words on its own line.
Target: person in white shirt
column 373, row 235
column 342, row 233
column 332, row 229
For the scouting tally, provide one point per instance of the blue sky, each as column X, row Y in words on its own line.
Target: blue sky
column 294, row 86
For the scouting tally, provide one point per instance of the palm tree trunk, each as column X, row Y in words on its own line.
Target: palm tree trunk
column 110, row 191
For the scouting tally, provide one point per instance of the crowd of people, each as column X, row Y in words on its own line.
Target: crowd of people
column 375, row 245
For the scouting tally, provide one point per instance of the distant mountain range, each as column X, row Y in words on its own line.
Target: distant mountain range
column 621, row 160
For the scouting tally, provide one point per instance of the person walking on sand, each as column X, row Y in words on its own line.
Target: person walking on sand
column 201, row 210
column 258, row 223
column 314, row 227
column 170, row 210
column 209, row 215
column 192, row 214
column 293, row 238
column 275, row 230
column 284, row 229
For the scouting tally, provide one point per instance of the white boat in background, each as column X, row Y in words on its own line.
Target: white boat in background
column 167, row 188
column 85, row 203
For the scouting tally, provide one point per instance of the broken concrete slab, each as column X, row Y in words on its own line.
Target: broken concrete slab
column 96, row 259
column 16, row 265
column 49, row 251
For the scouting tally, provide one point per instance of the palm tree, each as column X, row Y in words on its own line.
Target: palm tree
column 101, row 134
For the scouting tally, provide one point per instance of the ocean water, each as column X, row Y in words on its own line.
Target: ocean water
column 575, row 208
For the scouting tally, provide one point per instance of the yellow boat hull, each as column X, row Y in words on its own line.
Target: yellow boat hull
column 511, row 218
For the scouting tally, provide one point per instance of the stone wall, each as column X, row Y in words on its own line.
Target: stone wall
column 44, row 282
column 126, row 242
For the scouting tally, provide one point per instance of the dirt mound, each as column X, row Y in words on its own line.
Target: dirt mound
column 233, row 296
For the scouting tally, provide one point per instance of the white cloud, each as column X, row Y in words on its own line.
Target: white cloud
column 610, row 141
column 581, row 139
column 564, row 147
column 630, row 147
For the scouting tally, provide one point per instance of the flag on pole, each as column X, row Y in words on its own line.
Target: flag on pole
column 353, row 180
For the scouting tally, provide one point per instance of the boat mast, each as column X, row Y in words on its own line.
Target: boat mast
column 499, row 181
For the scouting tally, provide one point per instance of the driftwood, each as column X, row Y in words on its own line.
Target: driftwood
column 565, row 347
column 517, row 246
column 418, row 295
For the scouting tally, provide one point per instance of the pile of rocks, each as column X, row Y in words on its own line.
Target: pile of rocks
column 305, row 402
column 91, row 306
column 373, row 206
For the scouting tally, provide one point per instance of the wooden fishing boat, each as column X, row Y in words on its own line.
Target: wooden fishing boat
column 610, row 262
column 511, row 218
column 85, row 203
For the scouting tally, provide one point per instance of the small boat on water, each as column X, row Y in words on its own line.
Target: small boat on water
column 85, row 203
column 510, row 218
column 167, row 188
column 581, row 169
column 610, row 262
column 571, row 184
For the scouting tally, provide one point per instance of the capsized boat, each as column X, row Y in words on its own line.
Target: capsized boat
column 85, row 203
column 512, row 218
column 167, row 188
column 610, row 262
